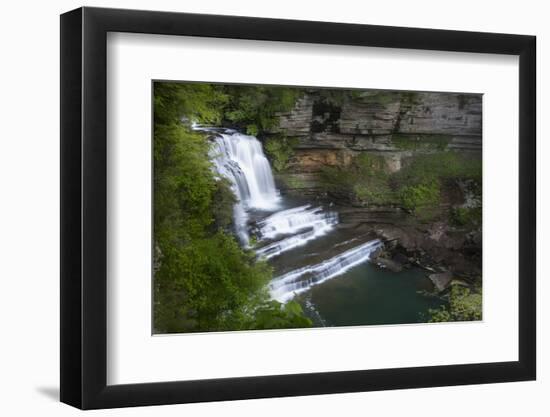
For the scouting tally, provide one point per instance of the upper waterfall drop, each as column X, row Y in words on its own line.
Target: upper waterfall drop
column 241, row 160
column 241, row 157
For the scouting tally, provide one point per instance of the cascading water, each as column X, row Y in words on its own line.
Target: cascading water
column 241, row 160
column 293, row 220
column 301, row 223
column 241, row 157
column 285, row 287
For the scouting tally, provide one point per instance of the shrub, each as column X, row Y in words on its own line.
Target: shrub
column 365, row 180
column 419, row 183
column 280, row 150
column 440, row 165
column 274, row 315
column 418, row 196
column 464, row 305
column 255, row 107
column 223, row 200
column 466, row 216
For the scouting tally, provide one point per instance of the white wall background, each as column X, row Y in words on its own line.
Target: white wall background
column 29, row 209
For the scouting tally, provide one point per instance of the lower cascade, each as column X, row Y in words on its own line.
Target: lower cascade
column 285, row 287
column 293, row 220
column 240, row 159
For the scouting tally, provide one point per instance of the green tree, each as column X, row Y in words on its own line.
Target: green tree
column 254, row 107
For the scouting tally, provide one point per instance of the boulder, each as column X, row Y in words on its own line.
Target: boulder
column 389, row 264
column 442, row 280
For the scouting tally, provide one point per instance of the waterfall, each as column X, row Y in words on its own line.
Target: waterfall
column 276, row 248
column 285, row 287
column 241, row 160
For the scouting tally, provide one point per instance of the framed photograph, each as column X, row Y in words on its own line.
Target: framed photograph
column 257, row 208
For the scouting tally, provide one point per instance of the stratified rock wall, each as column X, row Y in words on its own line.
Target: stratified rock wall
column 371, row 114
column 394, row 124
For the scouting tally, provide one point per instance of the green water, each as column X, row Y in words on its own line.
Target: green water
column 368, row 295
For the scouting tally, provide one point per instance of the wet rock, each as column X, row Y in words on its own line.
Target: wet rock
column 401, row 258
column 442, row 280
column 376, row 254
column 389, row 264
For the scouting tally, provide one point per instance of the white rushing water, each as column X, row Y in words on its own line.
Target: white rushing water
column 303, row 224
column 241, row 159
column 276, row 248
column 294, row 220
column 285, row 287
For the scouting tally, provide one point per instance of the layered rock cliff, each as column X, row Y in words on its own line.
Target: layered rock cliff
column 396, row 125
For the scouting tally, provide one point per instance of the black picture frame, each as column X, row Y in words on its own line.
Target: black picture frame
column 84, row 207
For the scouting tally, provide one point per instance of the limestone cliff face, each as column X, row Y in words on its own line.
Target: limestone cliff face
column 331, row 130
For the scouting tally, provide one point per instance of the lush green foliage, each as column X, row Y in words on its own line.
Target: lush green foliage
column 365, row 180
column 420, row 195
column 464, row 305
column 417, row 187
column 280, row 149
column 419, row 183
column 466, row 216
column 196, row 102
column 223, row 200
column 273, row 315
column 424, row 168
column 203, row 279
column 254, row 107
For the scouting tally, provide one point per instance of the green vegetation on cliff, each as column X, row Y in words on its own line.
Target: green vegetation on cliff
column 254, row 107
column 203, row 279
column 420, row 142
column 280, row 149
column 419, row 184
column 464, row 305
column 365, row 180
column 417, row 187
column 466, row 216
